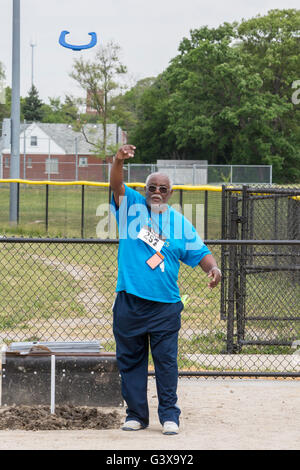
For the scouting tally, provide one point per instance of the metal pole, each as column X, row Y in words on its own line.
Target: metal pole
column 108, row 178
column 49, row 160
column 52, row 394
column 223, row 255
column 24, row 149
column 109, row 209
column 18, row 202
column 232, row 276
column 32, row 45
column 205, row 214
column 76, row 159
column 241, row 285
column 47, row 207
column 82, row 211
column 181, row 199
column 15, row 114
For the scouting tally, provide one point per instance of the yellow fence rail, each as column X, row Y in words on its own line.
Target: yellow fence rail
column 106, row 185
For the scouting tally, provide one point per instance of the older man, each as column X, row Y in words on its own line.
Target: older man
column 153, row 239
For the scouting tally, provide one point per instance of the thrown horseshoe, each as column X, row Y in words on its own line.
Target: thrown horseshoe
column 63, row 42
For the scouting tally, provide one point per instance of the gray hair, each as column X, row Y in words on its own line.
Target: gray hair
column 160, row 173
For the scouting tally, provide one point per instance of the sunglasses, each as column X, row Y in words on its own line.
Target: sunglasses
column 162, row 189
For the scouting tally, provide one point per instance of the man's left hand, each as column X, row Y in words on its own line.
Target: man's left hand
column 216, row 275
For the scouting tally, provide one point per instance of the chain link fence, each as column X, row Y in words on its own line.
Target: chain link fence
column 79, row 168
column 82, row 210
column 263, row 268
column 59, row 290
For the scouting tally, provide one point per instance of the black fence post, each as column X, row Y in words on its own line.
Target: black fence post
column 276, row 228
column 109, row 211
column 233, row 207
column 47, row 207
column 241, row 282
column 224, row 250
column 181, row 199
column 18, row 202
column 82, row 211
column 205, row 214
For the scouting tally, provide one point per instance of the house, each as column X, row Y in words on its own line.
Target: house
column 57, row 152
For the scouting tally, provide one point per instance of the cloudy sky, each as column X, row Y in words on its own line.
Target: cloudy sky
column 148, row 32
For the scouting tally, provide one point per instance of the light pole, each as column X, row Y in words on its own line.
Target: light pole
column 76, row 159
column 32, row 45
column 15, row 115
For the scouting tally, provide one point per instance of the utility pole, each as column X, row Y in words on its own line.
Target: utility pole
column 32, row 45
column 15, row 115
column 76, row 159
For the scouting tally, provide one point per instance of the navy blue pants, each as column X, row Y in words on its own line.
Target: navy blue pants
column 137, row 324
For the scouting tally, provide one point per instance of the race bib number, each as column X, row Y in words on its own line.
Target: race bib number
column 151, row 238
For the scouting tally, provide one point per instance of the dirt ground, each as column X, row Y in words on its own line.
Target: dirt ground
column 38, row 418
column 216, row 414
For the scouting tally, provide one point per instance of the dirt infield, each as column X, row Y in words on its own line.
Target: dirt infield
column 216, row 414
column 38, row 418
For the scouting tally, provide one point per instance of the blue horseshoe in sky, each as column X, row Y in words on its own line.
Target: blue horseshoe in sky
column 63, row 42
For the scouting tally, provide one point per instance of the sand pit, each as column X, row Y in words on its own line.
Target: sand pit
column 67, row 417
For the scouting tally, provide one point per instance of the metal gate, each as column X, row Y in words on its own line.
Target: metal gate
column 263, row 268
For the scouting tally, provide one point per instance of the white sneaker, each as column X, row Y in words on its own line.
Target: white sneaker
column 132, row 425
column 170, row 428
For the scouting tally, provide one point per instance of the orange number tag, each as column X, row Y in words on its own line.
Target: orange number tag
column 155, row 260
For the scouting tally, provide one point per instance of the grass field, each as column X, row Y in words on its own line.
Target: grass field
column 66, row 291
column 65, row 210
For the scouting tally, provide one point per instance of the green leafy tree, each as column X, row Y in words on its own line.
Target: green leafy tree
column 125, row 107
column 151, row 135
column 99, row 78
column 32, row 107
column 4, row 104
column 226, row 97
column 271, row 46
column 58, row 112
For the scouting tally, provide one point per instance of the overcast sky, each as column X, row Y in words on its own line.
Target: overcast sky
column 149, row 33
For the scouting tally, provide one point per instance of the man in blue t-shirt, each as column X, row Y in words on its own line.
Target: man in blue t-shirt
column 153, row 239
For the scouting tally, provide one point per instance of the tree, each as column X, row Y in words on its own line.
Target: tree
column 99, row 79
column 4, row 95
column 226, row 97
column 125, row 107
column 32, row 107
column 59, row 112
column 151, row 135
column 221, row 108
column 271, row 45
column 2, row 78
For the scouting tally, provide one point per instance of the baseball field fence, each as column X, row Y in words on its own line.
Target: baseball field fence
column 62, row 288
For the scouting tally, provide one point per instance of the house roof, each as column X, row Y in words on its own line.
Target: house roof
column 64, row 135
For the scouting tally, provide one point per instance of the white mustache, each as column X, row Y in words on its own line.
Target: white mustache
column 156, row 196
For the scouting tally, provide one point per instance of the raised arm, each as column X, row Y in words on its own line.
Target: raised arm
column 116, row 173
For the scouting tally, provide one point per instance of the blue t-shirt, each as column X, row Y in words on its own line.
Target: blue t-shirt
column 181, row 243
